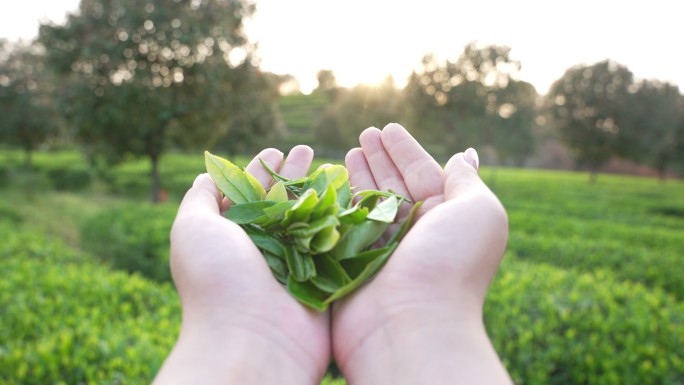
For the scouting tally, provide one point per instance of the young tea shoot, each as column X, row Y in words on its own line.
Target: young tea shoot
column 320, row 240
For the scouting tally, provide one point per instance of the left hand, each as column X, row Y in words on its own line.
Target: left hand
column 239, row 323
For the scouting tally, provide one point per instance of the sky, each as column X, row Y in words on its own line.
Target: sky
column 366, row 40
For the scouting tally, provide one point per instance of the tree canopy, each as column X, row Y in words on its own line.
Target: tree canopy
column 28, row 116
column 139, row 76
column 475, row 100
column 590, row 106
column 658, row 117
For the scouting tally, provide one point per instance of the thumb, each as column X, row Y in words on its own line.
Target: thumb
column 460, row 174
column 203, row 196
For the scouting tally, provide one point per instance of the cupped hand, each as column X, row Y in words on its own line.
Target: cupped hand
column 236, row 317
column 410, row 321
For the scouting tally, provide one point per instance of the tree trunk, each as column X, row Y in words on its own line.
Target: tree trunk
column 155, row 179
column 28, row 158
column 28, row 150
column 662, row 171
column 593, row 174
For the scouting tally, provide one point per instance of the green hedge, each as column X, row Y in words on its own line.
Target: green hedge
column 633, row 252
column 69, row 178
column 552, row 326
column 8, row 213
column 67, row 320
column 134, row 238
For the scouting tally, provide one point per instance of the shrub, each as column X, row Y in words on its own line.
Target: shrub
column 632, row 252
column 9, row 213
column 5, row 172
column 134, row 238
column 552, row 326
column 69, row 179
column 66, row 320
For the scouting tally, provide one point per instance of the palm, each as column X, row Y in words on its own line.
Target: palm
column 421, row 276
column 220, row 271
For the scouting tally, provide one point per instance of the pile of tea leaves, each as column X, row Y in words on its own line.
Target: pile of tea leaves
column 320, row 240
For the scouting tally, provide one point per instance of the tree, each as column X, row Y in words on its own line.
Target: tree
column 327, row 84
column 591, row 109
column 353, row 111
column 657, row 115
column 473, row 101
column 140, row 76
column 514, row 112
column 26, row 110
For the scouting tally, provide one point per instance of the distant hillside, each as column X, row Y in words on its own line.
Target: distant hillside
column 299, row 113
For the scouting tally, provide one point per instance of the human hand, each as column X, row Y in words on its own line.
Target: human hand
column 239, row 323
column 420, row 319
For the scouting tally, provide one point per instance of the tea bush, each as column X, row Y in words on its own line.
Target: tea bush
column 652, row 266
column 69, row 178
column 552, row 326
column 67, row 320
column 5, row 172
column 134, row 238
column 627, row 225
column 9, row 213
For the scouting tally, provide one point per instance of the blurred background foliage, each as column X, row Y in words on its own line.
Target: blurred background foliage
column 103, row 121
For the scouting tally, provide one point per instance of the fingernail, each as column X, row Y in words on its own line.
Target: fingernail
column 471, row 157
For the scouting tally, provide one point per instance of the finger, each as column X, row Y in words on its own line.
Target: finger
column 273, row 158
column 202, row 196
column 382, row 167
column 360, row 176
column 297, row 163
column 460, row 177
column 420, row 172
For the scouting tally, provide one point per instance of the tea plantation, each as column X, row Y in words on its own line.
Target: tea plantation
column 590, row 291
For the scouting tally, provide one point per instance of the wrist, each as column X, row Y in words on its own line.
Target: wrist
column 216, row 350
column 435, row 348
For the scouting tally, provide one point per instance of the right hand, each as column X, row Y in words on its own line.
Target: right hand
column 420, row 319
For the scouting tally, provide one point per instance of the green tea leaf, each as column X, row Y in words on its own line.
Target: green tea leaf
column 357, row 238
column 301, row 211
column 301, row 265
column 266, row 241
column 292, row 185
column 385, row 211
column 303, row 244
column 277, row 193
column 353, row 215
column 243, row 213
column 327, row 204
column 344, row 195
column 408, row 222
column 325, row 240
column 278, row 267
column 378, row 193
column 371, row 269
column 334, row 176
column 310, row 229
column 232, row 181
column 330, row 275
column 275, row 215
column 307, row 293
column 355, row 265
column 258, row 188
